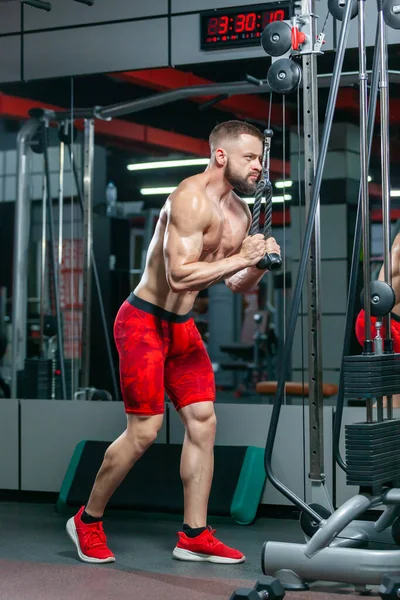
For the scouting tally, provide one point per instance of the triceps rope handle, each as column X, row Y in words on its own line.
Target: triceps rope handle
column 273, row 261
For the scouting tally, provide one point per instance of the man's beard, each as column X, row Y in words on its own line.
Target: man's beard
column 244, row 186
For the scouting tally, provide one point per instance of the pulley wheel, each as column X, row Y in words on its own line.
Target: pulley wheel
column 337, row 8
column 308, row 525
column 67, row 132
column 391, row 13
column 49, row 326
column 382, row 298
column 36, row 143
column 284, row 76
column 276, row 39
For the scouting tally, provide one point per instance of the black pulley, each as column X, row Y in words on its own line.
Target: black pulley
column 337, row 8
column 67, row 132
column 391, row 13
column 284, row 76
column 36, row 143
column 382, row 298
column 307, row 523
column 49, row 326
column 276, row 39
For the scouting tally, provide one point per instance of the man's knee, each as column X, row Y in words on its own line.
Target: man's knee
column 143, row 431
column 140, row 433
column 200, row 422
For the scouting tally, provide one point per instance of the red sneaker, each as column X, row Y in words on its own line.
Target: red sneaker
column 90, row 540
column 206, row 548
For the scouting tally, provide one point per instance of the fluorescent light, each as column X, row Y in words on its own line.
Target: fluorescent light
column 274, row 199
column 395, row 193
column 156, row 191
column 369, row 178
column 283, row 184
column 168, row 164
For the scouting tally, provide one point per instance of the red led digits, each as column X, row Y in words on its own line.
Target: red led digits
column 273, row 15
column 240, row 23
column 251, row 20
column 213, row 26
column 234, row 29
column 223, row 25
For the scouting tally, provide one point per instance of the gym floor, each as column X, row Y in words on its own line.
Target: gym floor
column 39, row 562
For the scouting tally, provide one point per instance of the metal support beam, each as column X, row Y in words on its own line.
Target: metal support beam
column 126, row 132
column 171, row 79
column 88, row 160
column 21, row 248
column 311, row 149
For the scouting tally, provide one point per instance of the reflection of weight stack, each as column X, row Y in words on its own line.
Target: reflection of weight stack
column 71, row 377
column 34, row 382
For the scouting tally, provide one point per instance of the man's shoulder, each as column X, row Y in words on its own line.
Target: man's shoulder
column 189, row 198
column 190, row 192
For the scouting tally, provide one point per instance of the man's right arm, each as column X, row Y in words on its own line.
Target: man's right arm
column 189, row 217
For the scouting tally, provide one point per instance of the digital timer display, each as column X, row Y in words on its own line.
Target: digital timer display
column 237, row 27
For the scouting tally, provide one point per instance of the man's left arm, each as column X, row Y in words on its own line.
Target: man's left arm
column 245, row 280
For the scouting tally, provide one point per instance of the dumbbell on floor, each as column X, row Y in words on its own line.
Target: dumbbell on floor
column 266, row 588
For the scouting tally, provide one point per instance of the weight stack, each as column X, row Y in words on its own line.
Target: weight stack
column 373, row 454
column 371, row 376
column 72, row 367
column 35, row 381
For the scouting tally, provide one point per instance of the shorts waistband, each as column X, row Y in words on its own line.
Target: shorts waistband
column 395, row 317
column 157, row 311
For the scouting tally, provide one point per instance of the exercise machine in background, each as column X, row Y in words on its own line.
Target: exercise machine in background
column 339, row 547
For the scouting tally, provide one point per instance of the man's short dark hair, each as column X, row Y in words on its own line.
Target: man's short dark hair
column 230, row 131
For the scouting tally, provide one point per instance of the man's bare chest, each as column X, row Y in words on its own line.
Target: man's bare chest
column 224, row 237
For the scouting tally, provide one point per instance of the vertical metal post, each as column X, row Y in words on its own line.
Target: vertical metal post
column 54, row 262
column 384, row 106
column 43, row 265
column 61, row 205
column 88, row 150
column 311, row 149
column 21, row 247
column 385, row 161
column 364, row 166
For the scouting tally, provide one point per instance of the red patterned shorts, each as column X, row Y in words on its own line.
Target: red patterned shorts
column 160, row 350
column 360, row 329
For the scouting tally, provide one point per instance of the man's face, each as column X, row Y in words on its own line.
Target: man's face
column 244, row 164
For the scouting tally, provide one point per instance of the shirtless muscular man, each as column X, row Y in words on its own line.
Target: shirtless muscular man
column 201, row 238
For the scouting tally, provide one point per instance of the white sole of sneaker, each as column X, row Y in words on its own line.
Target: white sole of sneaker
column 181, row 554
column 71, row 530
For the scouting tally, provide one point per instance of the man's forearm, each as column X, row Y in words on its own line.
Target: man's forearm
column 196, row 276
column 245, row 280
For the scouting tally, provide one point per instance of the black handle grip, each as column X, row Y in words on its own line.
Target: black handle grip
column 272, row 262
